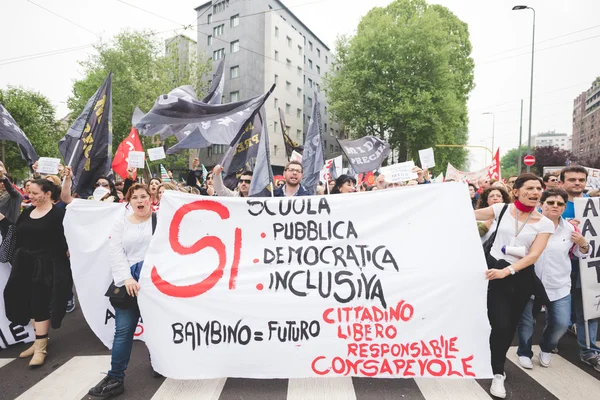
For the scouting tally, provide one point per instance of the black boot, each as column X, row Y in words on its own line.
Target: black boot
column 107, row 387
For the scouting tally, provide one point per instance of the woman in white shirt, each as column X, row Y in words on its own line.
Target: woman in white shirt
column 526, row 232
column 553, row 268
column 489, row 197
column 129, row 243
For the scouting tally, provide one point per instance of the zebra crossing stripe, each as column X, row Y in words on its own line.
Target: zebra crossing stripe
column 4, row 361
column 205, row 389
column 71, row 381
column 321, row 389
column 563, row 379
column 443, row 389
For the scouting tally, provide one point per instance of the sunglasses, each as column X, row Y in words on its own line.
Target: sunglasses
column 245, row 181
column 555, row 203
column 552, row 180
column 298, row 171
column 103, row 184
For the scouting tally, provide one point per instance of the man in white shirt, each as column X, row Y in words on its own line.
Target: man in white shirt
column 553, row 269
column 242, row 188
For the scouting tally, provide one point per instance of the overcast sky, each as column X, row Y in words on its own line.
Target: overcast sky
column 567, row 32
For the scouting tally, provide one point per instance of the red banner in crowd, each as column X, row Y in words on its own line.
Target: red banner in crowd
column 130, row 143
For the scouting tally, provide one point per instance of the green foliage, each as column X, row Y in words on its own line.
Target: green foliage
column 141, row 73
column 34, row 114
column 405, row 77
column 510, row 162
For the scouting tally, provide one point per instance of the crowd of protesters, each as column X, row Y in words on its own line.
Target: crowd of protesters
column 527, row 226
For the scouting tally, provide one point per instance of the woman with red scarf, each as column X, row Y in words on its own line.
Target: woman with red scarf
column 521, row 236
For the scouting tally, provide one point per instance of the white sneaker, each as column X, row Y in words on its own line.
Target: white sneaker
column 545, row 359
column 525, row 362
column 497, row 389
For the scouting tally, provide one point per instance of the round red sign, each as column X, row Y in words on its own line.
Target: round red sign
column 529, row 160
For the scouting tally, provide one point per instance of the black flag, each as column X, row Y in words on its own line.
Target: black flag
column 9, row 130
column 215, row 93
column 290, row 145
column 313, row 158
column 87, row 145
column 365, row 154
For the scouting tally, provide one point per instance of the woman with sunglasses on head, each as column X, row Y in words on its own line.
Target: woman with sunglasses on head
column 489, row 197
column 521, row 237
column 553, row 270
column 344, row 184
column 40, row 281
column 129, row 242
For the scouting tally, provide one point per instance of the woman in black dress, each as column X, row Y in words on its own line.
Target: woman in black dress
column 40, row 280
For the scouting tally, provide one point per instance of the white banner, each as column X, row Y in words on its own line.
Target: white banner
column 11, row 333
column 88, row 226
column 587, row 210
column 427, row 158
column 325, row 173
column 459, row 176
column 136, row 159
column 400, row 172
column 48, row 165
column 317, row 286
column 593, row 181
column 156, row 153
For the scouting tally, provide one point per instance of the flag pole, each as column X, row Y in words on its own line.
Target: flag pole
column 149, row 171
column 73, row 153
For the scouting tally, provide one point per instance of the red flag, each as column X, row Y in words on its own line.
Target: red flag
column 130, row 143
column 494, row 170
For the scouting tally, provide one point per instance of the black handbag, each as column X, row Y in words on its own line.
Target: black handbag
column 117, row 295
column 489, row 243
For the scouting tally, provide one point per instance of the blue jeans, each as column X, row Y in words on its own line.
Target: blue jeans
column 579, row 320
column 126, row 321
column 558, row 314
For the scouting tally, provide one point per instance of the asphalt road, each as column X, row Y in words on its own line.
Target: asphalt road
column 77, row 359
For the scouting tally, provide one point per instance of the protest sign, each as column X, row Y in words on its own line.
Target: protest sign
column 48, row 165
column 427, row 158
column 587, row 210
column 316, row 288
column 156, row 153
column 400, row 172
column 456, row 175
column 11, row 333
column 326, row 171
column 296, row 156
column 136, row 159
column 593, row 181
column 88, row 226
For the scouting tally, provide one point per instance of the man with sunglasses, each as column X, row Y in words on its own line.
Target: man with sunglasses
column 550, row 181
column 293, row 176
column 243, row 185
column 553, row 270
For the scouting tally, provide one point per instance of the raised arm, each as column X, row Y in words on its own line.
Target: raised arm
column 218, row 184
column 65, row 193
column 484, row 214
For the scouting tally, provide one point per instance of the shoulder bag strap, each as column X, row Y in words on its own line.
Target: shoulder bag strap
column 154, row 221
column 498, row 224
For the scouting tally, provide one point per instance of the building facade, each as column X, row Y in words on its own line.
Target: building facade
column 586, row 123
column 183, row 49
column 560, row 140
column 264, row 43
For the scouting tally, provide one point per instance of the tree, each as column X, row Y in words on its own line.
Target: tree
column 510, row 162
column 405, row 77
column 141, row 73
column 550, row 156
column 34, row 114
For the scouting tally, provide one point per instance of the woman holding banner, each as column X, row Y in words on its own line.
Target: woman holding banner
column 129, row 243
column 520, row 238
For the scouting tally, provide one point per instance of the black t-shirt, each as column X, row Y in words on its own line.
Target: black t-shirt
column 46, row 233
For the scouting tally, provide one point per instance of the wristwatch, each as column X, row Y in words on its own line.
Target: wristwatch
column 512, row 270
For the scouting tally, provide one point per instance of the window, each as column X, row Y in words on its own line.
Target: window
column 220, row 6
column 209, row 151
column 275, row 103
column 234, row 72
column 235, row 46
column 288, row 108
column 288, row 85
column 209, row 19
column 326, row 60
column 298, row 135
column 218, row 30
column 310, row 82
column 304, row 99
column 310, row 63
column 289, row 41
column 299, row 71
column 218, row 148
column 298, row 113
column 274, row 126
column 325, row 127
column 276, row 55
column 276, row 79
column 289, row 62
column 309, row 102
column 234, row 21
column 299, row 50
column 234, row 96
column 331, row 131
column 275, row 147
column 318, row 52
column 298, row 92
column 276, row 32
column 218, row 54
column 318, row 70
column 209, row 40
column 331, row 148
column 325, row 109
column 310, row 46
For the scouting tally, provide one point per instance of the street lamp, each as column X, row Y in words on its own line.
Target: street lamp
column 516, row 8
column 493, row 126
